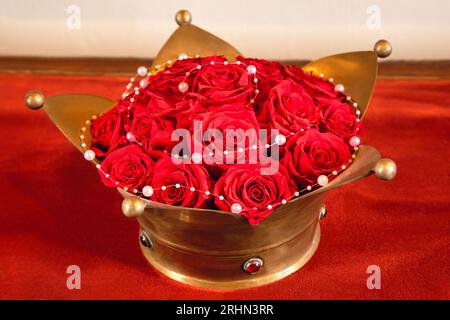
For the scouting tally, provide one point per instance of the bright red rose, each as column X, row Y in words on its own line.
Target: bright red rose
column 320, row 89
column 129, row 166
column 218, row 84
column 290, row 108
column 339, row 118
column 169, row 174
column 245, row 185
column 269, row 73
column 312, row 154
column 108, row 131
column 238, row 128
column 165, row 83
column 157, row 130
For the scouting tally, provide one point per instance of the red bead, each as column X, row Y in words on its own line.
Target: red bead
column 253, row 265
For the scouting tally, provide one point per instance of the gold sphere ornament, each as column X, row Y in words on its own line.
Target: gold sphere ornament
column 34, row 99
column 382, row 48
column 385, row 169
column 183, row 17
column 133, row 207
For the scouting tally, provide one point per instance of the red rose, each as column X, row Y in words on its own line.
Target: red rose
column 108, row 131
column 339, row 118
column 320, row 89
column 313, row 154
column 246, row 186
column 129, row 166
column 155, row 131
column 165, row 83
column 269, row 73
column 187, row 176
column 219, row 84
column 290, row 108
column 238, row 128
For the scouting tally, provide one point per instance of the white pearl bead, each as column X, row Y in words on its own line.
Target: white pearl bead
column 254, row 147
column 207, row 193
column 225, row 152
column 182, row 56
column 143, row 83
column 308, row 187
column 221, row 198
column 251, row 69
column 163, row 188
column 147, row 191
column 131, row 137
column 269, row 207
column 339, row 87
column 240, row 150
column 280, row 139
column 196, row 158
column 296, row 193
column 322, row 180
column 177, row 186
column 236, row 208
column 355, row 141
column 183, row 87
column 142, row 71
column 192, row 189
column 89, row 155
column 283, row 201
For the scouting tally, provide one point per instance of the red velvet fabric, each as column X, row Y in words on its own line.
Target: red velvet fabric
column 55, row 212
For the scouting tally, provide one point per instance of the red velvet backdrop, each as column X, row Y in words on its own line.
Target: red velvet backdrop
column 55, row 212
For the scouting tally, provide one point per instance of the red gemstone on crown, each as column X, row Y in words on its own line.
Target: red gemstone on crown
column 253, row 265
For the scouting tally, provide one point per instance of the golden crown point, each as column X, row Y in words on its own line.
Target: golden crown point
column 382, row 48
column 183, row 17
column 385, row 169
column 133, row 207
column 34, row 99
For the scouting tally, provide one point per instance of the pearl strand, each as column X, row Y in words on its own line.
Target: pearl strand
column 237, row 208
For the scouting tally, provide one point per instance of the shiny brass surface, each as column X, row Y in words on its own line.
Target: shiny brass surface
column 357, row 71
column 382, row 48
column 133, row 207
column 69, row 113
column 183, row 17
column 207, row 248
column 385, row 169
column 34, row 99
column 192, row 40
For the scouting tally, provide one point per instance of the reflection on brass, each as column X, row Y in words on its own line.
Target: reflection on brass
column 133, row 207
column 34, row 99
column 357, row 71
column 207, row 248
column 385, row 169
column 183, row 17
column 382, row 48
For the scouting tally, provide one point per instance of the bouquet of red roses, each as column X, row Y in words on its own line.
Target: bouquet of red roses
column 243, row 136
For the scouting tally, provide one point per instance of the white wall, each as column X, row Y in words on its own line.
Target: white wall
column 289, row 29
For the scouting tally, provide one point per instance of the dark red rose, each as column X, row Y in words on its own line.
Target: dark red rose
column 237, row 127
column 320, row 89
column 290, row 108
column 108, row 131
column 255, row 192
column 340, row 118
column 219, row 84
column 187, row 176
column 312, row 154
column 165, row 83
column 269, row 74
column 129, row 166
